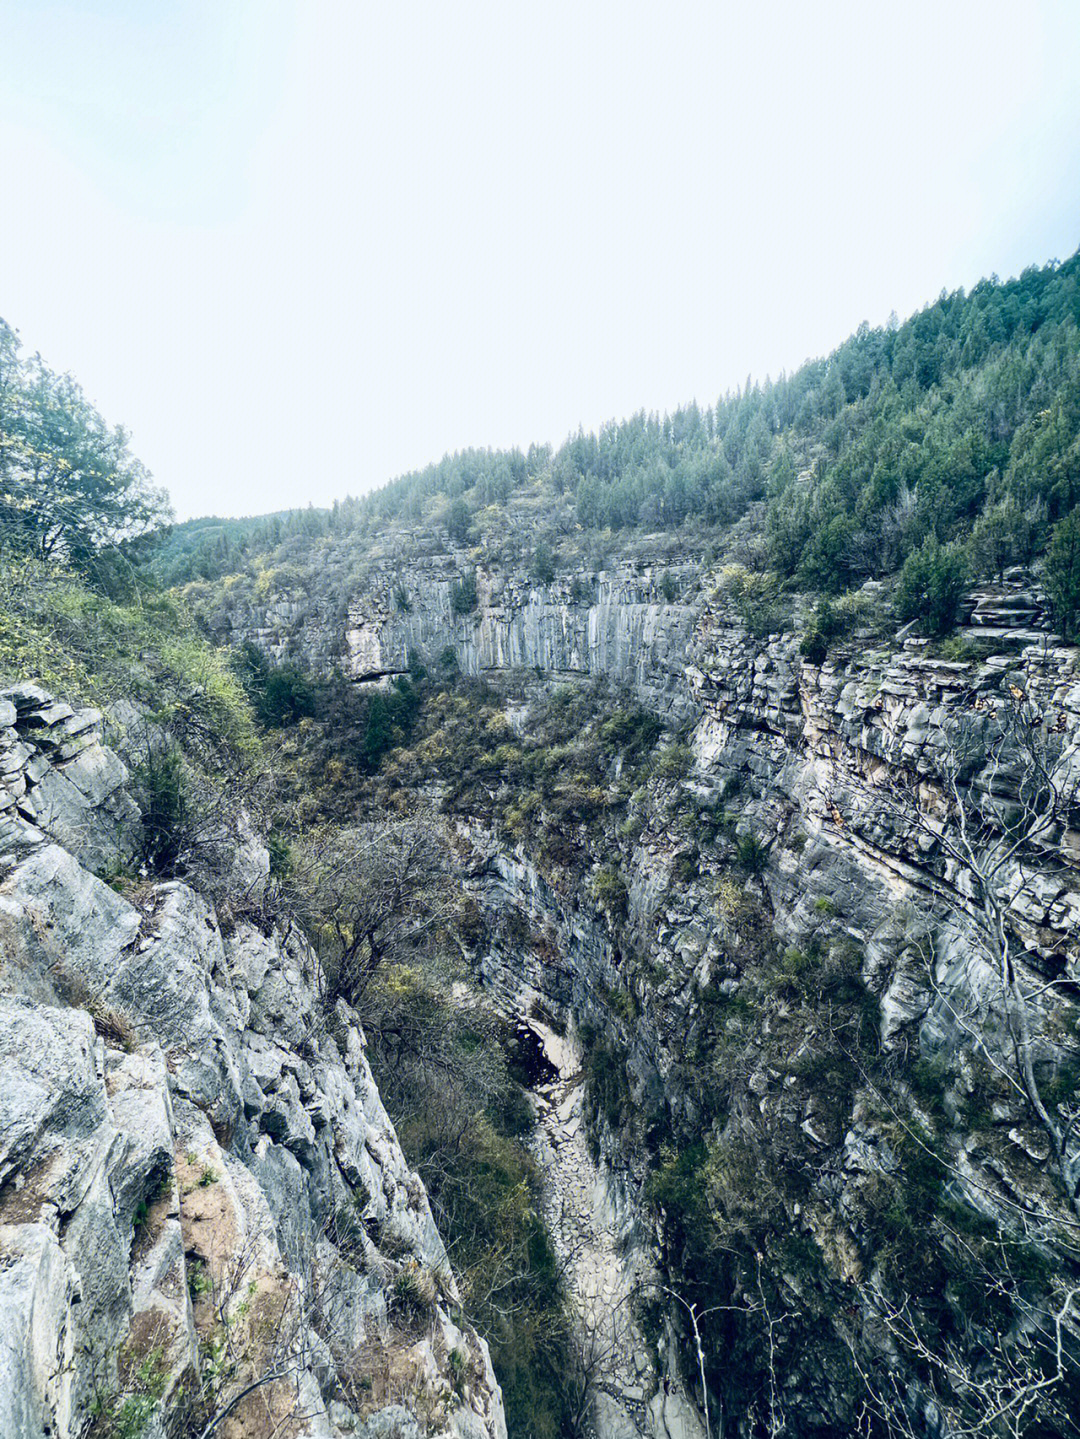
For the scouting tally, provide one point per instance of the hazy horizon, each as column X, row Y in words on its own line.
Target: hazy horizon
column 298, row 250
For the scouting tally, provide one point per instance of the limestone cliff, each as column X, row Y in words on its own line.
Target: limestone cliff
column 206, row 1222
column 883, row 805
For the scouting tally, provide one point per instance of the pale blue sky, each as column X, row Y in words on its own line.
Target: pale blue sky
column 298, row 246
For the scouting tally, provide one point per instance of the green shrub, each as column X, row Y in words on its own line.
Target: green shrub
column 632, row 731
column 415, row 1292
column 1063, row 573
column 931, row 588
column 113, row 1417
column 751, row 853
column 543, row 565
column 464, row 596
column 280, row 695
column 166, row 813
column 281, row 858
column 610, row 892
column 674, row 762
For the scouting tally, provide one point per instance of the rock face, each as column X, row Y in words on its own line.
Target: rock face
column 851, row 782
column 632, row 622
column 853, row 779
column 200, row 1190
column 609, row 1264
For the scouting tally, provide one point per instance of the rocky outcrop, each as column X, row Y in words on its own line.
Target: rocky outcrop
column 610, row 1265
column 853, row 779
column 204, row 1209
column 844, row 785
column 632, row 623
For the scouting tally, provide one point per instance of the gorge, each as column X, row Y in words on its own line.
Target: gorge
column 843, row 869
column 577, row 943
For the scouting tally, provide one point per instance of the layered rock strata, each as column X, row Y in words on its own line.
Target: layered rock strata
column 204, row 1210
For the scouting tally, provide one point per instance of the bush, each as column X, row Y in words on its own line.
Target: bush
column 814, row 648
column 673, row 762
column 463, row 595
column 610, row 892
column 931, row 588
column 543, row 565
column 415, row 1293
column 166, row 815
column 751, row 853
column 279, row 694
column 633, row 731
column 757, row 599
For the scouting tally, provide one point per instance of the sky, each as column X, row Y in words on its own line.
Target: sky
column 297, row 247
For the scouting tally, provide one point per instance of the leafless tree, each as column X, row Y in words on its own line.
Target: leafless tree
column 1000, row 1388
column 995, row 808
column 1006, row 788
column 369, row 895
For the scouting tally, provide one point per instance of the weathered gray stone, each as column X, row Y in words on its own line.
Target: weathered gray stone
column 135, row 1134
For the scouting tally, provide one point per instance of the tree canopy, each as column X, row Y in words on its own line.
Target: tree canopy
column 960, row 426
column 70, row 488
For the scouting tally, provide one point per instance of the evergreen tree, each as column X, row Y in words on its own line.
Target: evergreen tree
column 1063, row 573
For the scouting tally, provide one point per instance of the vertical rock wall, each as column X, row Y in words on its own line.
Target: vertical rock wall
column 203, row 1204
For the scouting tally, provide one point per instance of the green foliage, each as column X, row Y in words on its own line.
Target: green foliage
column 814, row 647
column 390, row 717
column 280, row 851
column 609, row 890
column 543, row 564
column 279, row 693
column 128, row 1416
column 70, row 489
column 458, row 519
column 463, row 595
column 673, row 762
column 931, row 587
column 166, row 810
column 1063, row 573
column 414, row 1293
column 1003, row 535
column 751, row 853
column 633, row 731
column 757, row 599
column 199, row 1281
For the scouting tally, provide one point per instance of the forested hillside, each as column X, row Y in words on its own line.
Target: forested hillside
column 959, row 428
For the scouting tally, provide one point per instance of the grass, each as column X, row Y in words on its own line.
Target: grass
column 128, row 1416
